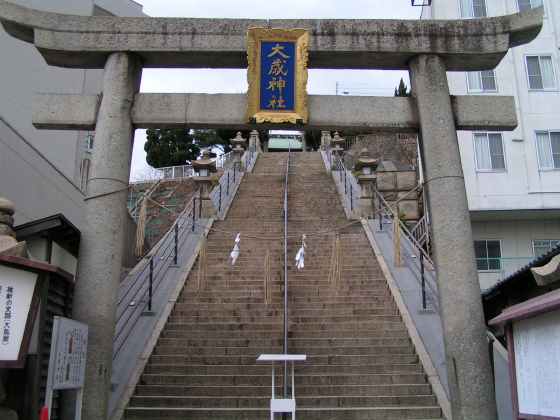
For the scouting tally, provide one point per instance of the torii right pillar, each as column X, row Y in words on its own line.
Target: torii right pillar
column 469, row 371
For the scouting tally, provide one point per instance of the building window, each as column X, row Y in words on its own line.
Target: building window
column 489, row 152
column 482, row 81
column 540, row 72
column 544, row 246
column 488, row 255
column 473, row 8
column 548, row 149
column 528, row 4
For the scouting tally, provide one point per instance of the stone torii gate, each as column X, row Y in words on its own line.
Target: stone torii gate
column 123, row 46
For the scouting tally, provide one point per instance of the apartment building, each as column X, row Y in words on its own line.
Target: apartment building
column 512, row 178
column 44, row 172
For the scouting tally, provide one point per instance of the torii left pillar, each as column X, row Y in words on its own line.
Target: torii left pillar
column 101, row 247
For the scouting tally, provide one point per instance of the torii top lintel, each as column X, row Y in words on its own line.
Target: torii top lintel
column 85, row 42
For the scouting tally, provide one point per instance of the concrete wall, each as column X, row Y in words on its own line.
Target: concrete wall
column 39, row 169
column 36, row 187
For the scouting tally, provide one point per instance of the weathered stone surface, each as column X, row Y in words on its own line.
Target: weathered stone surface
column 101, row 247
column 360, row 114
column 85, row 42
column 74, row 112
column 469, row 373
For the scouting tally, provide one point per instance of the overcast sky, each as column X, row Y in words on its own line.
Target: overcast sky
column 321, row 82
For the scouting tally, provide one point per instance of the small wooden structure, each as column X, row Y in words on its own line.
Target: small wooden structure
column 533, row 339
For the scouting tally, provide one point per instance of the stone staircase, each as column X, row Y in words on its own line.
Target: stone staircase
column 361, row 363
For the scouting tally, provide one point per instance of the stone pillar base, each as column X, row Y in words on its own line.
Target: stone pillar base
column 207, row 209
column 366, row 207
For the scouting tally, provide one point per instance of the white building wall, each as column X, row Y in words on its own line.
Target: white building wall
column 49, row 184
column 522, row 185
column 516, row 238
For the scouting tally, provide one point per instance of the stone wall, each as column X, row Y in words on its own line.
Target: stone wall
column 384, row 146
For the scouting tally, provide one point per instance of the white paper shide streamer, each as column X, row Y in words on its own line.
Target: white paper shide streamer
column 300, row 256
column 235, row 252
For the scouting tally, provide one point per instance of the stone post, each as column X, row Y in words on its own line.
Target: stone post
column 204, row 168
column 325, row 140
column 367, row 178
column 101, row 245
column 255, row 142
column 468, row 363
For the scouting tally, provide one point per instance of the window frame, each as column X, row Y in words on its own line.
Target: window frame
column 493, row 270
column 532, row 7
column 554, row 71
column 476, row 165
column 544, row 240
column 89, row 141
column 471, row 14
column 537, row 132
column 473, row 90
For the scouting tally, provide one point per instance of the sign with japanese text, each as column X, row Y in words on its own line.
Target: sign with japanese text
column 17, row 292
column 277, row 75
column 67, row 365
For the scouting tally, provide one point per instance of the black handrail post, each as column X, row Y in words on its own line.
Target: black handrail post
column 193, row 213
column 220, row 200
column 422, row 274
column 176, row 255
column 151, row 285
column 345, row 184
column 227, row 188
column 351, row 199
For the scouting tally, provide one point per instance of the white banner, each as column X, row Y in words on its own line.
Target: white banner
column 16, row 294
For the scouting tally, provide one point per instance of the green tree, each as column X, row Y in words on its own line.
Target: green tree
column 170, row 147
column 402, row 90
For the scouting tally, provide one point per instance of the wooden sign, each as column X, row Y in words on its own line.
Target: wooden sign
column 277, row 75
column 19, row 301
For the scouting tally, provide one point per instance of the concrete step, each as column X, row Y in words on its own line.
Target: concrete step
column 343, row 359
column 347, row 413
column 294, row 343
column 264, row 401
column 322, row 370
column 310, row 351
column 264, row 390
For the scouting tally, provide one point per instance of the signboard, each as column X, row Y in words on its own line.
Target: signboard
column 277, row 75
column 18, row 308
column 67, row 365
column 537, row 365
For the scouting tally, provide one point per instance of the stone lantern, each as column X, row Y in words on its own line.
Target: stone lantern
column 204, row 168
column 8, row 243
column 338, row 144
column 238, row 144
column 366, row 166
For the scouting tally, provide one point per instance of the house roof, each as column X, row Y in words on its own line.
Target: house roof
column 57, row 227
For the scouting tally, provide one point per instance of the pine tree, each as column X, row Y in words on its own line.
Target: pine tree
column 402, row 90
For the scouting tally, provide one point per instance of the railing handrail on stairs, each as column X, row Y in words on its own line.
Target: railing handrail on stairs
column 286, row 271
column 136, row 296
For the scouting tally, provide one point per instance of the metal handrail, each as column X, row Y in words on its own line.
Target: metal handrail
column 286, row 270
column 352, row 189
column 385, row 206
column 136, row 296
